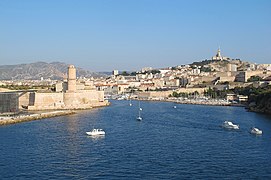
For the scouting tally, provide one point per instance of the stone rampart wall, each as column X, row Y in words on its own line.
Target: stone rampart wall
column 191, row 90
column 24, row 99
column 229, row 79
column 70, row 100
column 48, row 100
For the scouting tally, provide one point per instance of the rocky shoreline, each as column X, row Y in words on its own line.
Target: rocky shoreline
column 32, row 117
column 45, row 113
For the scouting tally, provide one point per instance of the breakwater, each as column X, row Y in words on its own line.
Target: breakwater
column 31, row 117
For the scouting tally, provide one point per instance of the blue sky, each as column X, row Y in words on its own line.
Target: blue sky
column 103, row 35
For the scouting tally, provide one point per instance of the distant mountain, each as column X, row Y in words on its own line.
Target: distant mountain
column 106, row 73
column 54, row 71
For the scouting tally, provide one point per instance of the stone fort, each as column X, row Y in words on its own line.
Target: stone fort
column 68, row 95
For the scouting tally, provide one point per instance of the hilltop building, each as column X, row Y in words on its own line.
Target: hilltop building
column 218, row 56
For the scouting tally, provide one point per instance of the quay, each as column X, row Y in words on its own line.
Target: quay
column 208, row 102
column 31, row 117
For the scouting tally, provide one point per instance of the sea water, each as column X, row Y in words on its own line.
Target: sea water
column 186, row 142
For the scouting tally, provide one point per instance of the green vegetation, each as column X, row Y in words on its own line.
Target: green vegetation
column 260, row 99
column 254, row 78
column 202, row 63
column 25, row 87
column 125, row 73
column 205, row 69
column 184, row 95
column 154, row 71
column 133, row 74
column 249, row 91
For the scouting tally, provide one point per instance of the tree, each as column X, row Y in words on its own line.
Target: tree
column 155, row 71
column 124, row 73
column 254, row 78
column 175, row 94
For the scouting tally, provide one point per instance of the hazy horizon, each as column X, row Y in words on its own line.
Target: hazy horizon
column 128, row 35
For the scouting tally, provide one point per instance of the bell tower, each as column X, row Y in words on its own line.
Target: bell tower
column 218, row 53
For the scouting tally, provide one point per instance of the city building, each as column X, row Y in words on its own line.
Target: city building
column 115, row 72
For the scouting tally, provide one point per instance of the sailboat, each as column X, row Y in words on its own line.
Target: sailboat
column 130, row 102
column 139, row 118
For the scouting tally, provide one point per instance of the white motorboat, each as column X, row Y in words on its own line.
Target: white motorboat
column 96, row 132
column 230, row 125
column 174, row 107
column 256, row 131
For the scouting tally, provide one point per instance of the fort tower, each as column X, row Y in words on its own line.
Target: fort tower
column 71, row 78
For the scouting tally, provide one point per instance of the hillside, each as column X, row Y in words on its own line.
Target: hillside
column 215, row 65
column 54, row 71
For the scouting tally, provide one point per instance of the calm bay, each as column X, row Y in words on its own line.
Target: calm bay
column 186, row 142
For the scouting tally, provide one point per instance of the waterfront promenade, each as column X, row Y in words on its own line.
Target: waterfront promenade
column 196, row 101
column 31, row 117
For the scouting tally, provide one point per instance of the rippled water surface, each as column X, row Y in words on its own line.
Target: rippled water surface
column 183, row 143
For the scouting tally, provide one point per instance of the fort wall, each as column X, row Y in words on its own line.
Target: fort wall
column 24, row 99
column 47, row 101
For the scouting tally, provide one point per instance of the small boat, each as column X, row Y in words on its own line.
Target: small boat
column 139, row 118
column 230, row 125
column 256, row 131
column 174, row 107
column 96, row 132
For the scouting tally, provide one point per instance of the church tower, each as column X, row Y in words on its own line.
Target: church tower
column 218, row 53
column 218, row 56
